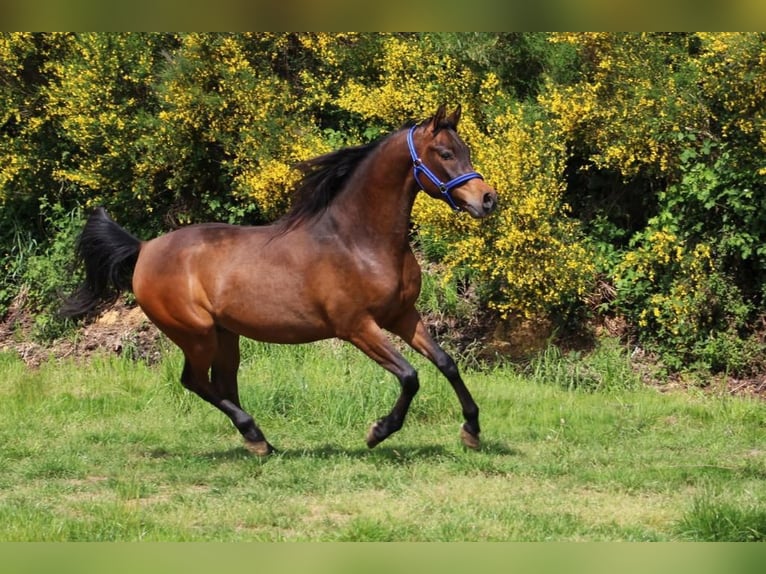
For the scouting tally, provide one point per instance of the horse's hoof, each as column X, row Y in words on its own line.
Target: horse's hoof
column 261, row 447
column 372, row 440
column 470, row 440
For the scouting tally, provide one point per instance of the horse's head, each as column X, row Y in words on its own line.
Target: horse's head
column 441, row 157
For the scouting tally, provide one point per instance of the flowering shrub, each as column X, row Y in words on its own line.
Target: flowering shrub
column 684, row 114
column 637, row 157
column 637, row 91
column 528, row 256
column 658, row 282
column 733, row 79
column 99, row 98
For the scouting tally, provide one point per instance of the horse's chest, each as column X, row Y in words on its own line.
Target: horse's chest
column 395, row 288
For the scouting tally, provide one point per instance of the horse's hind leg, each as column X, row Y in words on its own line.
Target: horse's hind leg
column 223, row 374
column 220, row 354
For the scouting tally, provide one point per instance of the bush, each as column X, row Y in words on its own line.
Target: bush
column 38, row 274
column 46, row 275
column 637, row 159
column 685, row 308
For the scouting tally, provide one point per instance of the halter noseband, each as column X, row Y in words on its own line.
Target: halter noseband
column 444, row 188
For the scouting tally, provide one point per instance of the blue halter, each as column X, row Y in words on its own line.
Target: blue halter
column 444, row 188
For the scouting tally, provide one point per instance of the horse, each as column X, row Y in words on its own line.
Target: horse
column 338, row 264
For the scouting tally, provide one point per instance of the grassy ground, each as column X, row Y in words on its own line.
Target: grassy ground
column 573, row 450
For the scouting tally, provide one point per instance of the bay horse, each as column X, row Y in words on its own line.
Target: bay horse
column 338, row 264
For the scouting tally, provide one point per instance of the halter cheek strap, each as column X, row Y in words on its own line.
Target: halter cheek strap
column 444, row 188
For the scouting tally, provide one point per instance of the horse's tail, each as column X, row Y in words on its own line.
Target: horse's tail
column 109, row 254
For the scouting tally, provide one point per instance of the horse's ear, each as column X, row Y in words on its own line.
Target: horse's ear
column 438, row 119
column 454, row 117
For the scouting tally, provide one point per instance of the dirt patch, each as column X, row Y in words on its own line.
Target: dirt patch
column 120, row 329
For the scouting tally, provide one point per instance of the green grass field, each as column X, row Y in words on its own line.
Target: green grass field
column 572, row 450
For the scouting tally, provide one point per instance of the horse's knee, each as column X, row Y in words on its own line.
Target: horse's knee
column 410, row 383
column 447, row 365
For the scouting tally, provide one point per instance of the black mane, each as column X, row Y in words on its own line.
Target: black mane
column 322, row 180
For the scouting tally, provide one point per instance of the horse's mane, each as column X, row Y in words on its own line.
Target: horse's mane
column 322, row 180
column 324, row 177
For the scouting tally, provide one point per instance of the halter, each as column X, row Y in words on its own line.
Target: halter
column 444, row 188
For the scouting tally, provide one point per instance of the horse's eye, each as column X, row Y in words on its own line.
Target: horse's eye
column 446, row 154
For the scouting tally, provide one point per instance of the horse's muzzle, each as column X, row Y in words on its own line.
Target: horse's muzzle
column 475, row 197
column 481, row 206
column 489, row 202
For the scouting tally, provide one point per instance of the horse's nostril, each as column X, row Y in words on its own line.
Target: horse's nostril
column 489, row 201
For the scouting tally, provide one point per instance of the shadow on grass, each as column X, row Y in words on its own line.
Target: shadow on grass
column 395, row 454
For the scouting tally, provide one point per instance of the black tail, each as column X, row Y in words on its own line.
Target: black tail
column 109, row 254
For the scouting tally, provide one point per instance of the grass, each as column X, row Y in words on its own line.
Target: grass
column 573, row 450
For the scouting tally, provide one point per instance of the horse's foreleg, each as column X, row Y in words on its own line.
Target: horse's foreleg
column 373, row 342
column 412, row 330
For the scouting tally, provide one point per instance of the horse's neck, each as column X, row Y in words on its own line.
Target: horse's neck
column 378, row 200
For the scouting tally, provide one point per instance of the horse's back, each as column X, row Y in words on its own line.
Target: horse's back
column 254, row 281
column 193, row 251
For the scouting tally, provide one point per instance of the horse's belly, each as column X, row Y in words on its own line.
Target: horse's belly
column 276, row 330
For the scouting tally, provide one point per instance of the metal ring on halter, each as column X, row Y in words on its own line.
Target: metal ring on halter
column 444, row 188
